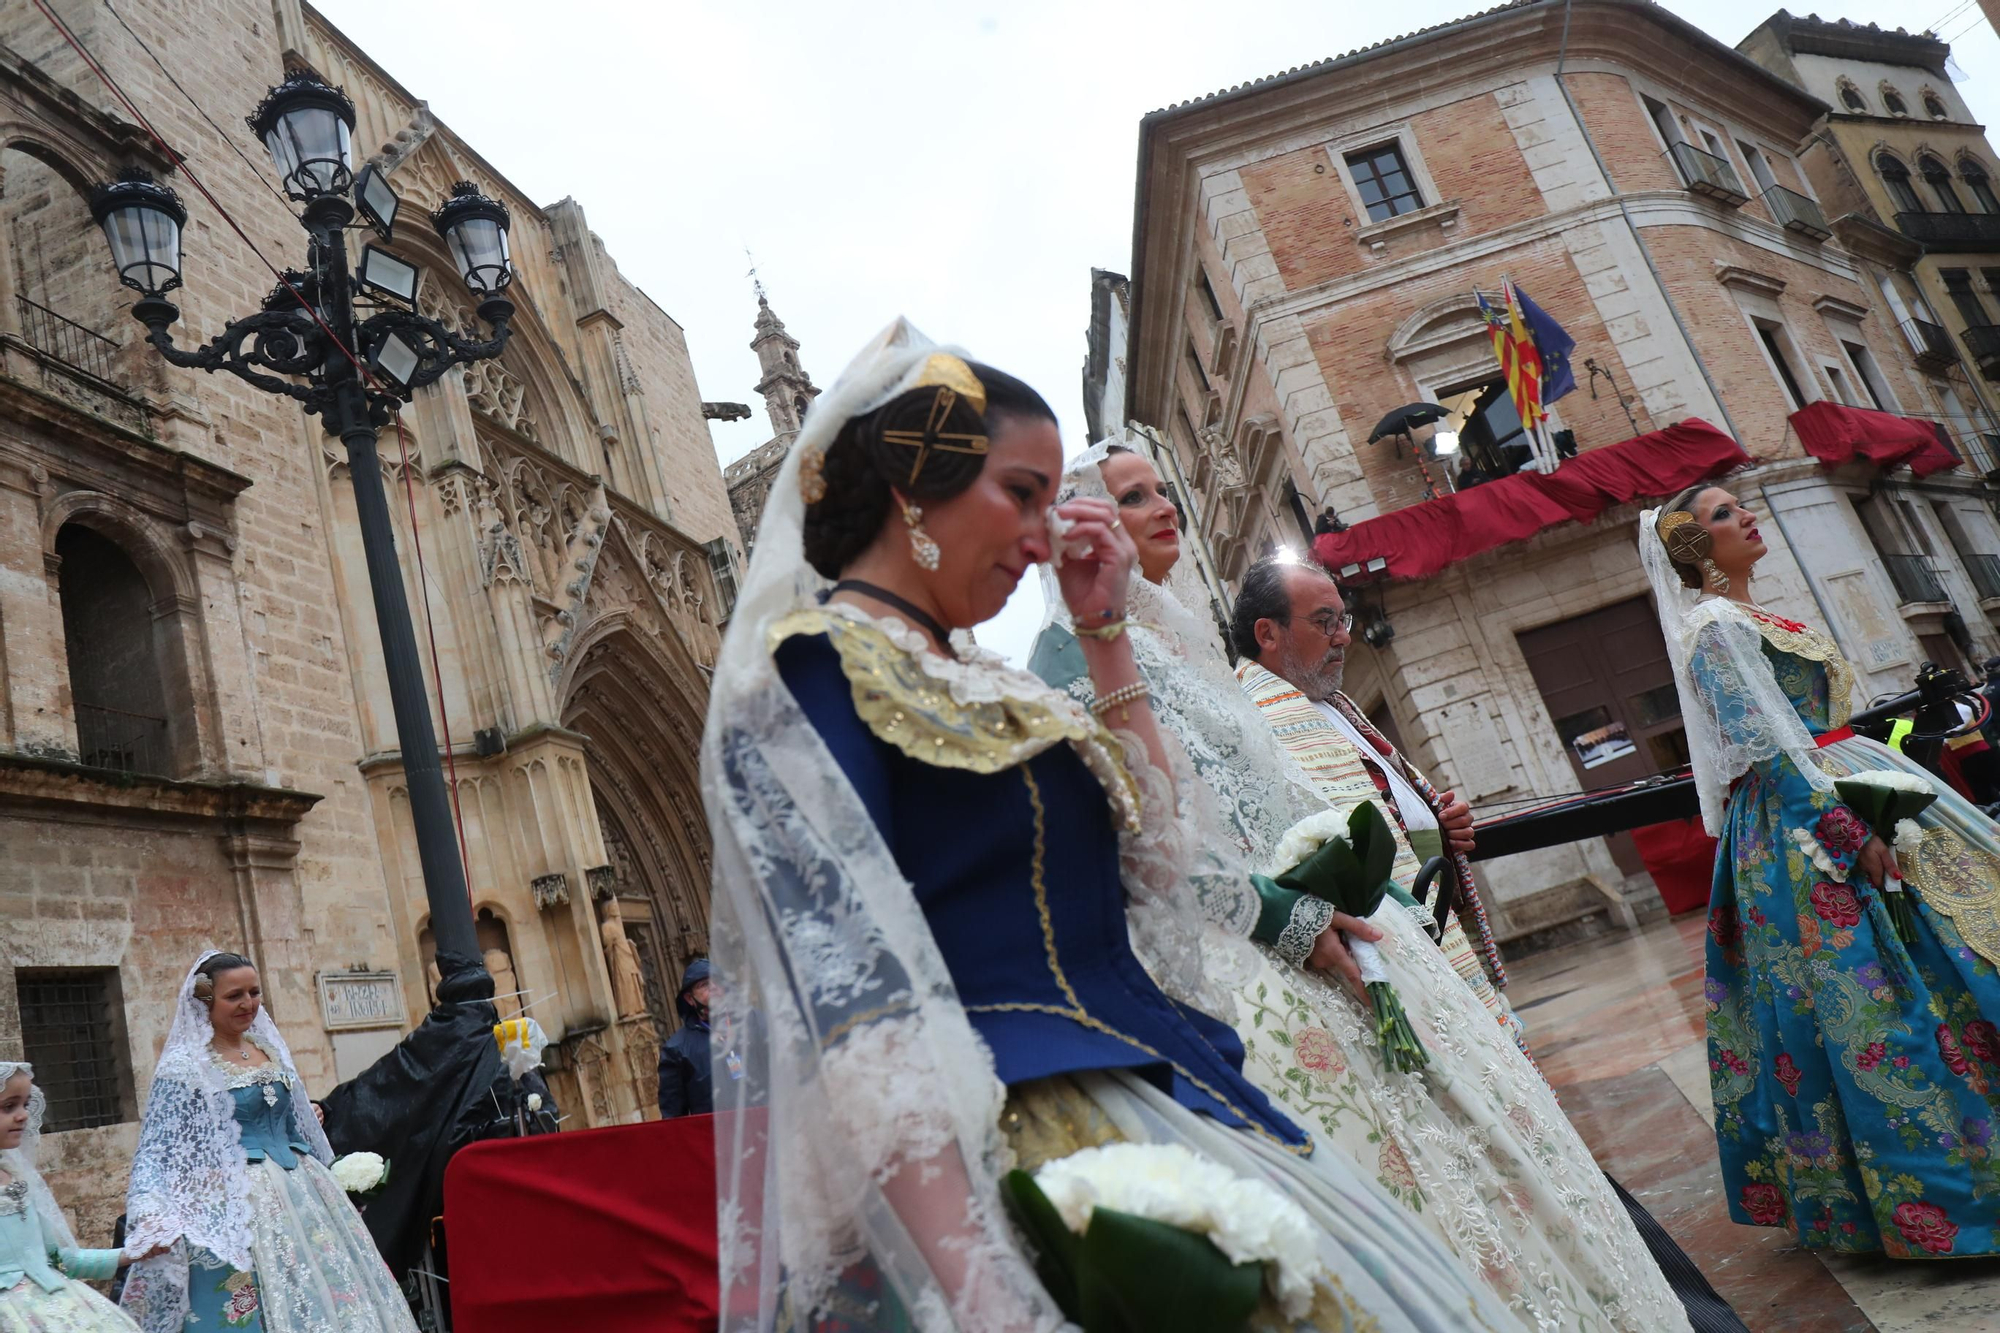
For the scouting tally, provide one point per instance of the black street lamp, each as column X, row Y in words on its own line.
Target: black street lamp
column 299, row 346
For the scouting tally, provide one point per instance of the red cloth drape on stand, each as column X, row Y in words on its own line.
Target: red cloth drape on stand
column 1834, row 434
column 611, row 1230
column 1425, row 538
column 1680, row 856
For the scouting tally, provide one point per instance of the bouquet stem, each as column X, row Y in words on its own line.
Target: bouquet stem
column 1401, row 1046
column 1901, row 914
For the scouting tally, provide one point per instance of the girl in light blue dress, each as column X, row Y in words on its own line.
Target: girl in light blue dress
column 40, row 1262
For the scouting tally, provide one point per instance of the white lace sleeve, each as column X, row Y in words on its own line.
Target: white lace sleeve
column 1163, row 911
column 1742, row 717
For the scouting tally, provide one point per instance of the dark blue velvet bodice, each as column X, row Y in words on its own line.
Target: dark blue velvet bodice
column 970, row 845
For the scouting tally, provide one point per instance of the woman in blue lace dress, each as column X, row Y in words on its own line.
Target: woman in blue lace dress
column 231, row 1184
column 1856, row 1076
column 42, row 1269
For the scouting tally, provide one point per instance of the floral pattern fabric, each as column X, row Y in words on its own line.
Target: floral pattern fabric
column 72, row 1308
column 1856, row 1079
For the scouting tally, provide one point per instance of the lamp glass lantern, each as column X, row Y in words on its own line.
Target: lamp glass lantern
column 308, row 126
column 142, row 222
column 475, row 229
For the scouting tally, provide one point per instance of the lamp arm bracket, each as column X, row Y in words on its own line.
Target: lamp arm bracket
column 438, row 348
column 278, row 340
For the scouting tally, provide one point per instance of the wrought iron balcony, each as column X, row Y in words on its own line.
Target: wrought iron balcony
column 1913, row 579
column 1931, row 344
column 1705, row 173
column 127, row 742
column 67, row 341
column 1983, row 341
column 1795, row 212
column 1985, row 571
column 1952, row 231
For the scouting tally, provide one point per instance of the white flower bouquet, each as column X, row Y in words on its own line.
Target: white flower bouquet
column 1889, row 801
column 361, row 1173
column 1346, row 863
column 1151, row 1238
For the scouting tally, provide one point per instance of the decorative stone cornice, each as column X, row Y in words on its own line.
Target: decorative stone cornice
column 550, row 890
column 1740, row 279
column 53, row 783
column 1833, row 305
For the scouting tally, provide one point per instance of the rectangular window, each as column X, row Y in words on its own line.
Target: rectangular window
column 1769, row 335
column 722, row 568
column 1992, row 278
column 1958, row 285
column 1194, row 366
column 1870, row 376
column 73, row 1033
column 1760, row 170
column 1384, row 179
column 1840, row 390
column 1664, row 122
column 1208, row 294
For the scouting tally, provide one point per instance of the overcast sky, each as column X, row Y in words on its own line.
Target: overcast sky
column 962, row 164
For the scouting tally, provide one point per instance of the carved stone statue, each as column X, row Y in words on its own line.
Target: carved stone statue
column 504, row 984
column 621, row 959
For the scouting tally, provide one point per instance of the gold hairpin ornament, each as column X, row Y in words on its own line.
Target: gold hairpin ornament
column 812, row 476
column 1685, row 539
column 932, row 436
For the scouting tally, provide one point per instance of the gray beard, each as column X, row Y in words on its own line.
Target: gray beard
column 1315, row 680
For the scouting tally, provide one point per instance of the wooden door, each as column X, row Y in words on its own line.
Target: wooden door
column 1609, row 688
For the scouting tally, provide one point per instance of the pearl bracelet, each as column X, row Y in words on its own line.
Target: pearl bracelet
column 1122, row 699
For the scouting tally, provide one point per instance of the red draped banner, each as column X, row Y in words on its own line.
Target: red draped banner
column 1835, row 434
column 1425, row 538
column 611, row 1230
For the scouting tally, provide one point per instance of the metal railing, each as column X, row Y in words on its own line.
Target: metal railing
column 1952, row 231
column 1983, row 341
column 1913, row 579
column 1985, row 571
column 1796, row 212
column 69, row 342
column 1931, row 343
column 116, row 739
column 1705, row 173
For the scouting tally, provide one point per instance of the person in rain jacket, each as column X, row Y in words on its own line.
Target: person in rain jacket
column 685, row 1087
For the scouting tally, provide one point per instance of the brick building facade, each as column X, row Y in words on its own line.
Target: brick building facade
column 1306, row 251
column 196, row 743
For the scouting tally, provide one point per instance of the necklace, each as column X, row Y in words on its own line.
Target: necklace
column 916, row 613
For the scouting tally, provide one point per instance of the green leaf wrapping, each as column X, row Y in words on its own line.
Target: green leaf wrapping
column 1881, row 808
column 1352, row 872
column 1056, row 1246
column 1152, row 1277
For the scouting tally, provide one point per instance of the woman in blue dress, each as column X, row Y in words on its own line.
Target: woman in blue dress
column 42, row 1269
column 1856, row 1077
column 923, row 864
column 230, row 1192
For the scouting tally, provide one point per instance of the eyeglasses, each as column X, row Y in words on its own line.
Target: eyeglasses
column 1327, row 623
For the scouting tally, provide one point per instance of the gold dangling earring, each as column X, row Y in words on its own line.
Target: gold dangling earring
column 1713, row 573
column 923, row 547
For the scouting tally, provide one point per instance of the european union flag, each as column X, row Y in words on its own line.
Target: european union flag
column 1554, row 345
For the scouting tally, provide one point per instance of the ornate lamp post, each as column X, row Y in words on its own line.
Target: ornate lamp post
column 302, row 353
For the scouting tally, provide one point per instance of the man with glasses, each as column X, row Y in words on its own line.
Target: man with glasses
column 1292, row 629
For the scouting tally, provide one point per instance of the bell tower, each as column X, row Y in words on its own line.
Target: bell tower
column 785, row 385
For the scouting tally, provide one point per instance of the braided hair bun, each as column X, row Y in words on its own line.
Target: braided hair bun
column 928, row 443
column 1687, row 541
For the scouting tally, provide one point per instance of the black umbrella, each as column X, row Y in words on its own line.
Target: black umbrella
column 1399, row 421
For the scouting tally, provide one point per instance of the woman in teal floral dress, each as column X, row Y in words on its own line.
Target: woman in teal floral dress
column 1856, row 1077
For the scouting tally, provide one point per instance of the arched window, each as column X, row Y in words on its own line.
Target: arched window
column 1892, row 101
column 113, row 647
column 799, row 407
column 1973, row 173
column 1850, row 97
column 1939, row 179
column 1897, row 177
column 1934, row 106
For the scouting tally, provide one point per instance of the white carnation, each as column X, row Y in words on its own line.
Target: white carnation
column 1909, row 837
column 1248, row 1220
column 359, row 1172
column 534, row 1101
column 1893, row 780
column 1304, row 838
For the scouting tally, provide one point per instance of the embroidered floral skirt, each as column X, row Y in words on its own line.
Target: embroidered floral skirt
column 1856, row 1080
column 71, row 1308
column 1474, row 1145
column 316, row 1266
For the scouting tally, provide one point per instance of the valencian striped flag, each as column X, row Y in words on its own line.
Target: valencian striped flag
column 1520, row 360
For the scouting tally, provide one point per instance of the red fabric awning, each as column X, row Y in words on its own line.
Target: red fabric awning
column 1419, row 541
column 1835, row 434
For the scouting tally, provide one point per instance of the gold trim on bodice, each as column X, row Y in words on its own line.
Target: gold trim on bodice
column 911, row 705
column 1789, row 636
column 1961, row 882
